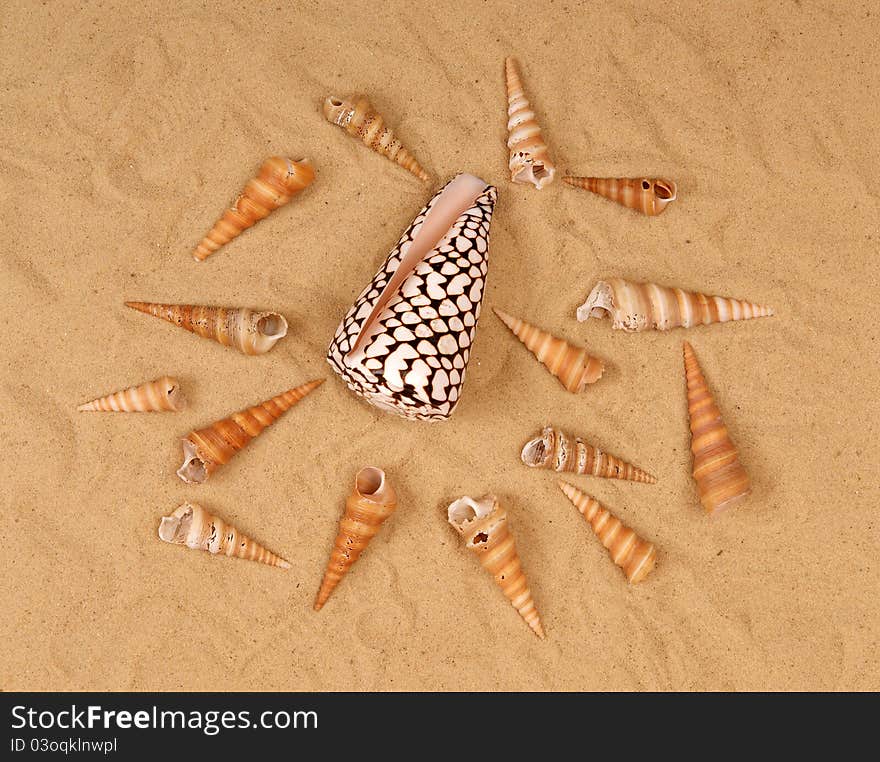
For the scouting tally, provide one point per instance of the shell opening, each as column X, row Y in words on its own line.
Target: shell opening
column 536, row 452
column 466, row 510
column 175, row 528
column 334, row 101
column 369, row 481
column 646, row 185
column 664, row 190
column 174, row 393
column 599, row 304
column 272, row 325
column 193, row 470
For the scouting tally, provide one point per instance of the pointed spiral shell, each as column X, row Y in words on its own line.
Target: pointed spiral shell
column 370, row 503
column 193, row 526
column 153, row 396
column 647, row 195
column 279, row 180
column 530, row 160
column 483, row 525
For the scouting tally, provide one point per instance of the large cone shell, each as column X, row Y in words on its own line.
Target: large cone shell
column 483, row 525
column 555, row 450
column 371, row 502
column 645, row 306
column 572, row 365
column 193, row 526
column 152, row 397
column 207, row 449
column 721, row 479
column 629, row 551
column 279, row 180
column 250, row 332
column 647, row 195
column 530, row 160
column 357, row 117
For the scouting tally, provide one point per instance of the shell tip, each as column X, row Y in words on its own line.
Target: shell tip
column 283, row 564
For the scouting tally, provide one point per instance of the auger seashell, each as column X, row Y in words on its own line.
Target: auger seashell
column 279, row 180
column 530, row 160
column 370, row 503
column 152, row 397
column 250, row 332
column 205, row 450
column 572, row 365
column 193, row 526
column 357, row 117
column 629, row 551
column 642, row 306
column 721, row 479
column 405, row 343
column 483, row 525
column 557, row 451
column 647, row 195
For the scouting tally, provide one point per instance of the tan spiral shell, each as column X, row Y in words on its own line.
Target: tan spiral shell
column 629, row 551
column 647, row 195
column 207, row 449
column 572, row 365
column 151, row 397
column 557, row 451
column 193, row 526
column 250, row 332
column 530, row 160
column 483, row 525
column 721, row 479
column 357, row 117
column 371, row 501
column 642, row 306
column 279, row 180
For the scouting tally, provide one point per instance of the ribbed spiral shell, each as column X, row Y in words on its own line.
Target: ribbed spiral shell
column 647, row 195
column 193, row 526
column 643, row 306
column 483, row 525
column 557, row 451
column 250, row 332
column 530, row 160
column 572, row 365
column 279, row 180
column 629, row 551
column 371, row 502
column 721, row 479
column 153, row 396
column 206, row 449
column 357, row 117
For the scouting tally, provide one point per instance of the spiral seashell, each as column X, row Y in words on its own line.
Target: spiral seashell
column 570, row 364
column 530, row 160
column 153, row 396
column 205, row 450
column 371, row 502
column 483, row 524
column 357, row 117
column 279, row 180
column 721, row 479
column 647, row 195
column 253, row 333
column 557, row 451
column 193, row 526
column 643, row 306
column 629, row 551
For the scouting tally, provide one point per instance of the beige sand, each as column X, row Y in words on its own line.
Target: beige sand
column 125, row 133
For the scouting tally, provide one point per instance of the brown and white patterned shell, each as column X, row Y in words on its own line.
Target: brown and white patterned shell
column 405, row 343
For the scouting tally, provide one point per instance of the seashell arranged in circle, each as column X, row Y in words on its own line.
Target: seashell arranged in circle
column 250, row 332
column 557, row 451
column 644, row 306
column 629, row 551
column 193, row 526
column 357, row 117
column 163, row 394
column 572, row 365
column 483, row 525
column 279, row 180
column 530, row 160
column 405, row 343
column 647, row 195
column 205, row 450
column 371, row 501
column 721, row 479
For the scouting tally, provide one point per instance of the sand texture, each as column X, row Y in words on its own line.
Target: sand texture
column 126, row 129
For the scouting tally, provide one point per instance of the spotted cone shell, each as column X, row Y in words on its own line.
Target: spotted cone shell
column 154, row 396
column 647, row 195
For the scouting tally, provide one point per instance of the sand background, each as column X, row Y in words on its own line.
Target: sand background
column 125, row 131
